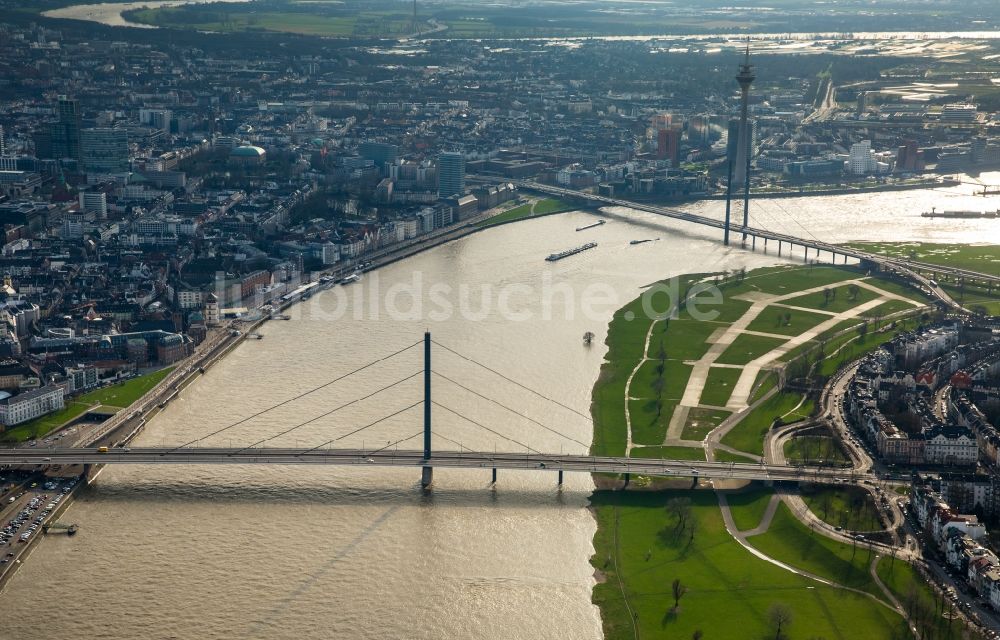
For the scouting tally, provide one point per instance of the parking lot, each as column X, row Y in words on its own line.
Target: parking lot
column 25, row 511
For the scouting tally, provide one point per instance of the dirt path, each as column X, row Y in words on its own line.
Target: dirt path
column 628, row 387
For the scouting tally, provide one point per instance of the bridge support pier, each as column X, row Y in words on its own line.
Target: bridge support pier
column 494, row 480
column 753, row 243
column 779, row 248
column 560, row 477
column 426, row 477
column 805, row 253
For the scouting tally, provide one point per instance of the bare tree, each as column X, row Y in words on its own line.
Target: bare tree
column 780, row 617
column 679, row 508
column 678, row 590
column 863, row 330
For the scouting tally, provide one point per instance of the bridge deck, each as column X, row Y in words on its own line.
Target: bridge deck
column 412, row 458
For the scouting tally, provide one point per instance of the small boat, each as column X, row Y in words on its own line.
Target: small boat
column 354, row 277
column 591, row 226
column 588, row 337
column 643, row 240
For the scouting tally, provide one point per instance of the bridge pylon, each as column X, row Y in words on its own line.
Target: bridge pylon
column 427, row 474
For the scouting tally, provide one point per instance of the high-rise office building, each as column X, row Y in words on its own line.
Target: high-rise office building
column 104, row 150
column 156, row 118
column 910, row 157
column 94, row 202
column 379, row 152
column 65, row 132
column 862, row 158
column 451, row 174
column 699, row 131
column 3, row 147
column 668, row 146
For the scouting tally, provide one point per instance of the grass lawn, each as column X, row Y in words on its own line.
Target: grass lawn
column 982, row 258
column 648, row 428
column 723, row 314
column 912, row 591
column 887, row 309
column 118, row 396
column 701, row 421
column 899, row 288
column 124, row 394
column 682, row 339
column 748, row 506
column 674, row 379
column 748, row 434
column 541, row 207
column 784, row 280
column 42, row 425
column 746, row 348
column 551, row 205
column 973, row 297
column 669, row 453
column 849, row 507
column 649, row 422
column 766, row 380
column 721, row 455
column 786, row 322
column 814, row 449
column 719, row 385
column 792, row 542
column 626, row 341
column 841, row 299
column 639, row 550
column 857, row 346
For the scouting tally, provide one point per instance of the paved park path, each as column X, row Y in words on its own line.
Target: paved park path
column 741, row 538
column 724, row 338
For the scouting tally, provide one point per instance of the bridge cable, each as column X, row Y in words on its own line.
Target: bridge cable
column 390, row 444
column 360, row 429
column 438, row 435
column 298, row 397
column 483, row 426
column 792, row 218
column 514, row 382
column 514, row 411
column 331, row 411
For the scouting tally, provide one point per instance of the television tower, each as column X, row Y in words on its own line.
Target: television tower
column 743, row 150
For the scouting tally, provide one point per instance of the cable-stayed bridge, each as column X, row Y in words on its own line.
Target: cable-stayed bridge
column 402, row 402
column 920, row 272
column 415, row 458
